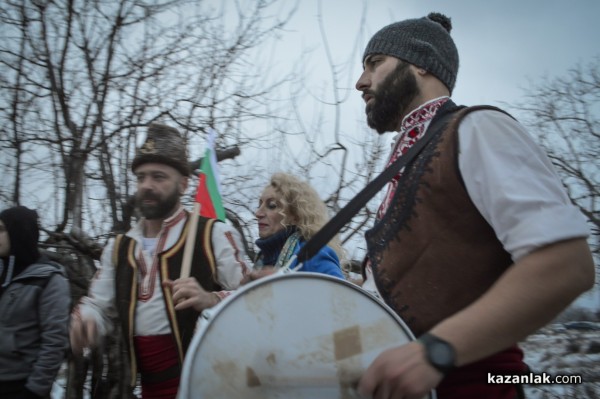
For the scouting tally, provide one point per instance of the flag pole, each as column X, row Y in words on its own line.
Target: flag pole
column 190, row 241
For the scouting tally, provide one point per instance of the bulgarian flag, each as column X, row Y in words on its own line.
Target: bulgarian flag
column 208, row 195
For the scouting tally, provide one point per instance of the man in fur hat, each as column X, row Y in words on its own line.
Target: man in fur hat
column 476, row 244
column 139, row 281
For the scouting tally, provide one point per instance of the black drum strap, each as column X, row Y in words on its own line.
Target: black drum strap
column 331, row 228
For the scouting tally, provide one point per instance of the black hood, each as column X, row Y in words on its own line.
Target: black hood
column 22, row 226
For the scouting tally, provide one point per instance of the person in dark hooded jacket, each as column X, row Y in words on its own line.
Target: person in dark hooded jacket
column 34, row 309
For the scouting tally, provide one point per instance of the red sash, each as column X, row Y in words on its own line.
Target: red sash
column 158, row 364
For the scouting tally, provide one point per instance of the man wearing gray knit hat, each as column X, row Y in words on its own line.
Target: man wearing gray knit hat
column 423, row 42
column 476, row 244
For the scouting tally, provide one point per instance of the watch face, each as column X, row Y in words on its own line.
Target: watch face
column 441, row 354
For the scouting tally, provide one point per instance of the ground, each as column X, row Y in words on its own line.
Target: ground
column 558, row 350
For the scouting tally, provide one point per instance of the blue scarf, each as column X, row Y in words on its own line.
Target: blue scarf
column 270, row 247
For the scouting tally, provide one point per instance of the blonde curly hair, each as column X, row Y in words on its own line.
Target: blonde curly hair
column 302, row 207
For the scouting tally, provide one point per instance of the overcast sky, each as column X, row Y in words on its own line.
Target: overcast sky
column 503, row 45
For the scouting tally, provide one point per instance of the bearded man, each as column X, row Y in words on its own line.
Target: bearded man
column 476, row 244
column 139, row 279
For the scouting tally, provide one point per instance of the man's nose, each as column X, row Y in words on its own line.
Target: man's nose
column 363, row 82
column 144, row 184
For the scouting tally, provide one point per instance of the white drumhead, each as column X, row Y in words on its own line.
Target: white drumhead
column 297, row 335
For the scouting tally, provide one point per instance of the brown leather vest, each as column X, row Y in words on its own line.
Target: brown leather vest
column 432, row 253
column 182, row 322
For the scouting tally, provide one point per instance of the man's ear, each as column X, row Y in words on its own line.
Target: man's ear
column 421, row 71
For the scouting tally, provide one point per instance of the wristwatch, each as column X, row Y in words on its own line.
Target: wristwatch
column 440, row 354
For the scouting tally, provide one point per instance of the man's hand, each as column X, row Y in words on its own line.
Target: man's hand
column 83, row 333
column 401, row 372
column 188, row 293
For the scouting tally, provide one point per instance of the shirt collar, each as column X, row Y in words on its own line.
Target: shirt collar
column 422, row 114
column 176, row 217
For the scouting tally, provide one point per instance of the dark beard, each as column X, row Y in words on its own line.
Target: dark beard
column 163, row 208
column 390, row 102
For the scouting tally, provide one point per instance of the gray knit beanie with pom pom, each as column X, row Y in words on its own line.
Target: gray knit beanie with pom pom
column 424, row 42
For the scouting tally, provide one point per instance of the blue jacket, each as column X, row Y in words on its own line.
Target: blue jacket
column 325, row 261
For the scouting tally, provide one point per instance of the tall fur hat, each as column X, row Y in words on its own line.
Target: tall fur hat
column 163, row 145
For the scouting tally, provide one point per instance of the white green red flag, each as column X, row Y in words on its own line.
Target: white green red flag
column 209, row 192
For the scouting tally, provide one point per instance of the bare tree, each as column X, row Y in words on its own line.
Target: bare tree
column 83, row 77
column 564, row 113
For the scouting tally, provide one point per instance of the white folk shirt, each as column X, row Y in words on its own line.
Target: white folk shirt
column 151, row 316
column 513, row 184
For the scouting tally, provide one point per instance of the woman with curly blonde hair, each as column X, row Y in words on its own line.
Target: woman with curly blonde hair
column 289, row 213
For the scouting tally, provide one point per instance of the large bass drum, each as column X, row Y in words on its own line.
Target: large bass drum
column 294, row 336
